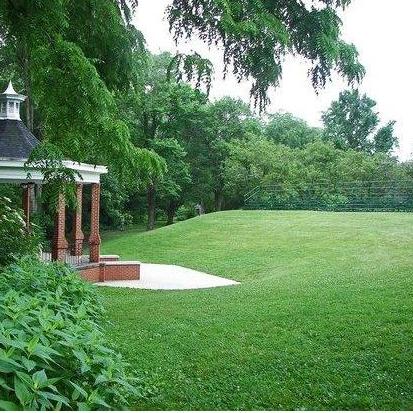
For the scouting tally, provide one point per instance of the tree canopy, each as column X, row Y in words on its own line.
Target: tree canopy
column 95, row 94
column 256, row 36
column 351, row 122
column 286, row 129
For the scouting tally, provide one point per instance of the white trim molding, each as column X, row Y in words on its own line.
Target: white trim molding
column 14, row 171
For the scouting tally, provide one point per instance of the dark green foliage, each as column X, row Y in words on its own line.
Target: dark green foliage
column 83, row 129
column 98, row 96
column 321, row 177
column 106, row 40
column 58, row 178
column 351, row 123
column 13, row 192
column 15, row 241
column 256, row 35
column 385, row 141
column 193, row 67
column 225, row 120
column 177, row 178
column 53, row 355
column 162, row 121
column 286, row 129
column 255, row 162
column 114, row 199
column 186, row 211
column 230, row 151
column 70, row 57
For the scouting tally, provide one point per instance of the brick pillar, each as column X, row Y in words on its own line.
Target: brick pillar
column 77, row 223
column 59, row 239
column 27, row 203
column 94, row 239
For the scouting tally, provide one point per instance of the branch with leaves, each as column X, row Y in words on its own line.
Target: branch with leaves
column 256, row 36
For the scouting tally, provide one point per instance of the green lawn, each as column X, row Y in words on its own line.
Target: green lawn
column 323, row 318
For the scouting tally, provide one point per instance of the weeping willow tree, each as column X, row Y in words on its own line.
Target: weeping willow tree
column 70, row 53
column 71, row 58
column 256, row 35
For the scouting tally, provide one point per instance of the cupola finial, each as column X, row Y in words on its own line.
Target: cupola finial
column 10, row 102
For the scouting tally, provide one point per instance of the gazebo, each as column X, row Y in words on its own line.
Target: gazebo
column 16, row 145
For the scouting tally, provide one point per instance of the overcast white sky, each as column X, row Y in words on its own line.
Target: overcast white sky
column 381, row 30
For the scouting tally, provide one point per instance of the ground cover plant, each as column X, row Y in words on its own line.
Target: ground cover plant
column 321, row 320
column 15, row 240
column 53, row 354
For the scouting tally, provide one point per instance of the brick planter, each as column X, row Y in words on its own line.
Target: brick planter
column 110, row 271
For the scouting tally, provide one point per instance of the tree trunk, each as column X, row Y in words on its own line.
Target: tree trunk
column 28, row 87
column 170, row 213
column 219, row 200
column 150, row 196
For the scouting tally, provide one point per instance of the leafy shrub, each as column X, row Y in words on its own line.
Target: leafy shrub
column 43, row 220
column 52, row 351
column 333, row 202
column 185, row 212
column 114, row 197
column 15, row 241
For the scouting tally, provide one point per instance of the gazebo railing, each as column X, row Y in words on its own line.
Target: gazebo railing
column 45, row 256
column 70, row 258
column 75, row 260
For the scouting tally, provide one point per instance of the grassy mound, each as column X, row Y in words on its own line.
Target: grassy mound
column 322, row 319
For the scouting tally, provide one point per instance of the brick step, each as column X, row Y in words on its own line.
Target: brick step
column 109, row 258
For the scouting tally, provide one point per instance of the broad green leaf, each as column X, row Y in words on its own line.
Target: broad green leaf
column 96, row 399
column 22, row 391
column 40, row 378
column 55, row 397
column 83, row 406
column 81, row 356
column 100, row 379
column 6, row 367
column 32, row 344
column 24, row 377
column 4, row 384
column 6, row 405
column 29, row 364
column 79, row 389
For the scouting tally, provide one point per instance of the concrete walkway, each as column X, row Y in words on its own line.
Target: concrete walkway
column 170, row 277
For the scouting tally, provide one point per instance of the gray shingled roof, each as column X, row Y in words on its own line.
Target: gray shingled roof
column 16, row 141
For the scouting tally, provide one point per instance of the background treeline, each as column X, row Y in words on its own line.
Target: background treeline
column 216, row 152
column 96, row 95
column 192, row 150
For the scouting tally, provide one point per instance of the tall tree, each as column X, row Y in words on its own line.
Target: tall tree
column 170, row 188
column 228, row 120
column 161, row 122
column 70, row 56
column 351, row 120
column 351, row 123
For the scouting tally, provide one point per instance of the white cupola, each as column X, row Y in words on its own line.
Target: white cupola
column 10, row 102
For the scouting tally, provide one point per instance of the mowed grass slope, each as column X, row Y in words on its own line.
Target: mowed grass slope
column 323, row 318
